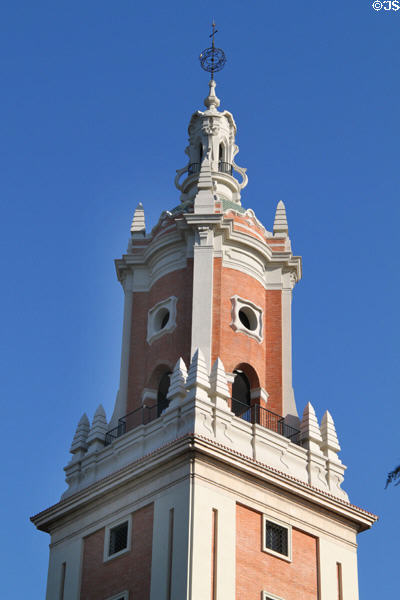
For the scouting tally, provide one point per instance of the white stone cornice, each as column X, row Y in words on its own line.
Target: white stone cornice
column 169, row 251
column 284, row 258
column 193, row 445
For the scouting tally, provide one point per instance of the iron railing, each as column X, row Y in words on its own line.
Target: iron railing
column 259, row 415
column 255, row 414
column 223, row 167
column 140, row 416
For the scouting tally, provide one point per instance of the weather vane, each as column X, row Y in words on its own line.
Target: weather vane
column 212, row 59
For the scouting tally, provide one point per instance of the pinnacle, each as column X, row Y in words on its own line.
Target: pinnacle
column 138, row 222
column 309, row 425
column 178, row 380
column 212, row 102
column 198, row 373
column 99, row 425
column 328, row 432
column 218, row 381
column 280, row 222
column 100, row 413
column 83, row 421
column 80, row 438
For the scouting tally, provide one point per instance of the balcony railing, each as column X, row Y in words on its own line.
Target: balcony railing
column 140, row 416
column 259, row 415
column 255, row 414
column 223, row 167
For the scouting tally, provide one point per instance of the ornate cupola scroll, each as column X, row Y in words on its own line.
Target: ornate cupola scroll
column 212, row 139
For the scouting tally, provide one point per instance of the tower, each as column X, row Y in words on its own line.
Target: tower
column 205, row 484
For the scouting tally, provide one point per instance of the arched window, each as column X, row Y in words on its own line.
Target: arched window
column 221, row 153
column 240, row 393
column 163, row 387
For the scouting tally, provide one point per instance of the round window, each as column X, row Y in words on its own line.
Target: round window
column 161, row 319
column 248, row 318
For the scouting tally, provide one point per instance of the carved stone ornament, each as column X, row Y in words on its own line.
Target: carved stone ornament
column 203, row 232
column 210, row 127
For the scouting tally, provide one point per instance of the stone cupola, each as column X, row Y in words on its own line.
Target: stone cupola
column 212, row 139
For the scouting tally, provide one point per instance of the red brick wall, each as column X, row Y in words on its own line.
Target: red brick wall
column 236, row 348
column 258, row 571
column 144, row 358
column 273, row 349
column 130, row 571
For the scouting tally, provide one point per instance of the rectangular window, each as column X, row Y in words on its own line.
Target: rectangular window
column 277, row 538
column 117, row 539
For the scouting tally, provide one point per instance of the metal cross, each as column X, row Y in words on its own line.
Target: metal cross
column 214, row 31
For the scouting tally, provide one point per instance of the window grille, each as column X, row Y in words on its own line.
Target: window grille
column 276, row 538
column 118, row 538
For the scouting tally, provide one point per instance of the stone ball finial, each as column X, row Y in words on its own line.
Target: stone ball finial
column 212, row 102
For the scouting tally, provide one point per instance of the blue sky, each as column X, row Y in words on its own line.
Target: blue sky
column 96, row 99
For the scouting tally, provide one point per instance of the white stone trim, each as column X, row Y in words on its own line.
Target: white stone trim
column 169, row 249
column 287, row 526
column 230, row 377
column 288, row 401
column 154, row 330
column 259, row 392
column 269, row 596
column 255, row 311
column 121, row 596
column 203, row 272
column 106, row 555
column 149, row 395
column 121, row 400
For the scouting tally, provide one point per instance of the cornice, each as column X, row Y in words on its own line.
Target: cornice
column 175, row 237
column 194, row 444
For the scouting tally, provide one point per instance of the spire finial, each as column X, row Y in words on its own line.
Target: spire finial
column 212, row 59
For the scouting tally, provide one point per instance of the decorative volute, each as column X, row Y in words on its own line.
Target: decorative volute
column 212, row 135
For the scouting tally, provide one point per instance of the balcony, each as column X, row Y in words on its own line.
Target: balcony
column 256, row 415
column 141, row 416
column 223, row 167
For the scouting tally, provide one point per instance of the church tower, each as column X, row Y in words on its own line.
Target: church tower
column 206, row 484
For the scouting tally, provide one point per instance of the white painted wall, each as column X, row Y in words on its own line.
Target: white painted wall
column 331, row 552
column 69, row 552
column 176, row 497
column 206, row 498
